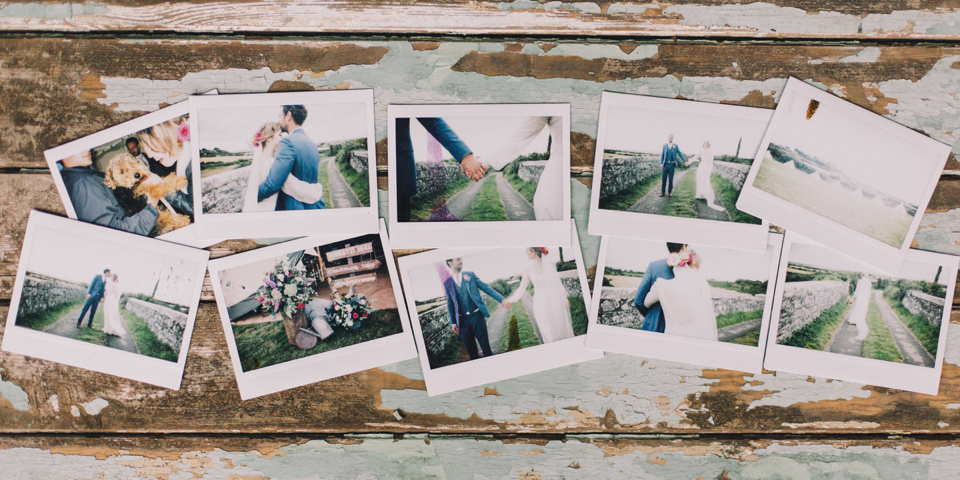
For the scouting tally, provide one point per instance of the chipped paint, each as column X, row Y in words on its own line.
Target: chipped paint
column 591, row 52
column 54, row 402
column 867, row 55
column 74, row 410
column 94, row 406
column 50, row 11
column 831, row 425
column 515, row 5
column 951, row 352
column 784, row 389
column 766, row 18
column 939, row 23
column 16, row 396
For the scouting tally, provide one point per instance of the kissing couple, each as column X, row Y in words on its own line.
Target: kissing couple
column 104, row 289
column 468, row 312
column 675, row 298
column 285, row 171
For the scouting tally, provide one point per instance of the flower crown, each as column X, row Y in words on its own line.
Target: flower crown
column 183, row 132
column 543, row 250
column 257, row 139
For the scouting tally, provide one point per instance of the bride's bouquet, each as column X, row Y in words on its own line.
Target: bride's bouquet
column 285, row 291
column 349, row 311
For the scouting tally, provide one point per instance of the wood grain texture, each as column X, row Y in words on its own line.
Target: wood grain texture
column 53, row 90
column 742, row 19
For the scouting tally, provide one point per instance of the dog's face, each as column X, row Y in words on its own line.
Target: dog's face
column 125, row 171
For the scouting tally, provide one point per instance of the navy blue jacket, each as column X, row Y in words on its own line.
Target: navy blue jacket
column 406, row 168
column 653, row 316
column 296, row 154
column 96, row 287
column 473, row 285
column 671, row 154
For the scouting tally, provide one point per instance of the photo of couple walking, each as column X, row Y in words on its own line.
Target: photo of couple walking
column 257, row 159
column 489, row 303
column 134, row 177
column 479, row 168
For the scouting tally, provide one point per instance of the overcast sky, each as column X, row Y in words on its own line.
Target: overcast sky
column 724, row 264
column 79, row 258
column 870, row 156
column 823, row 257
column 484, row 135
column 489, row 265
column 232, row 128
column 645, row 130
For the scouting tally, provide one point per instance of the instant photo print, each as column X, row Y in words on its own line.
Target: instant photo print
column 284, row 164
column 104, row 300
column 479, row 175
column 836, row 317
column 843, row 176
column 683, row 302
column 311, row 309
column 484, row 315
column 668, row 169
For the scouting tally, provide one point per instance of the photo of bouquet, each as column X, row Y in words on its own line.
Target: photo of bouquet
column 349, row 311
column 285, row 291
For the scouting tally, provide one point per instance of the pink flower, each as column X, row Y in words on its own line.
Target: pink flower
column 355, row 315
column 183, row 132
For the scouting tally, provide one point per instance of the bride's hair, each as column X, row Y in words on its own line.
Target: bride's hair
column 694, row 260
column 266, row 131
column 539, row 251
column 164, row 137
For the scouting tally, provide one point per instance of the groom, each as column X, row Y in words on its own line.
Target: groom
column 296, row 155
column 468, row 313
column 654, row 320
column 94, row 298
column 670, row 156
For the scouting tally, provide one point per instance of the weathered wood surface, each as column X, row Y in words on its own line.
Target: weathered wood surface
column 450, row 457
column 56, row 90
column 900, row 19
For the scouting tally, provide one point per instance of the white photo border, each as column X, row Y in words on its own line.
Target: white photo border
column 183, row 236
column 676, row 348
column 803, row 361
column 98, row 358
column 478, row 234
column 664, row 227
column 820, row 229
column 484, row 371
column 358, row 220
column 322, row 366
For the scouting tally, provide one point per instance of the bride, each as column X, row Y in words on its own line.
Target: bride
column 265, row 143
column 548, row 198
column 861, row 301
column 112, row 321
column 551, row 307
column 685, row 299
column 704, row 188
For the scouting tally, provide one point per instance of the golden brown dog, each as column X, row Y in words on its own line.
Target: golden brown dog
column 126, row 171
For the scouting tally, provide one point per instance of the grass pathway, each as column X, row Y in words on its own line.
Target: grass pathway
column 738, row 330
column 514, row 203
column 67, row 327
column 911, row 348
column 341, row 195
column 652, row 202
column 459, row 204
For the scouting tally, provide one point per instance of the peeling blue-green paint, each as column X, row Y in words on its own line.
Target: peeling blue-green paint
column 15, row 395
column 944, row 22
column 50, row 11
column 591, row 52
column 766, row 18
column 584, row 7
column 867, row 55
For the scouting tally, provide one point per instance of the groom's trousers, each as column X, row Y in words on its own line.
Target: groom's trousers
column 473, row 330
column 91, row 304
column 666, row 177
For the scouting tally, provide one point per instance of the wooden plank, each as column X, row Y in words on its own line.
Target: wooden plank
column 353, row 268
column 900, row 19
column 351, row 281
column 351, row 251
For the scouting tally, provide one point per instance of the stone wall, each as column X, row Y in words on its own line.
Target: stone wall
column 927, row 306
column 621, row 172
column 617, row 308
column 224, row 192
column 42, row 294
column 571, row 282
column 438, row 336
column 360, row 160
column 434, row 177
column 804, row 301
column 166, row 324
column 735, row 172
column 727, row 301
column 530, row 170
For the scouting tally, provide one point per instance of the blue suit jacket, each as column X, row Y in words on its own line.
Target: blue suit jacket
column 653, row 316
column 406, row 168
column 96, row 286
column 296, row 154
column 474, row 285
column 671, row 154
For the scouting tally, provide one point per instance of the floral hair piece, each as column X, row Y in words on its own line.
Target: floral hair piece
column 183, row 132
column 543, row 250
column 675, row 260
column 257, row 138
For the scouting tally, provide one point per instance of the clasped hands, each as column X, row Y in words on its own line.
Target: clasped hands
column 472, row 167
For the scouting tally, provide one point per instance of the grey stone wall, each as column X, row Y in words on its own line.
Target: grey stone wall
column 41, row 295
column 437, row 333
column 571, row 282
column 617, row 309
column 168, row 325
column 224, row 193
column 927, row 306
column 434, row 177
column 727, row 301
column 735, row 172
column 621, row 172
column 804, row 301
column 530, row 170
column 360, row 160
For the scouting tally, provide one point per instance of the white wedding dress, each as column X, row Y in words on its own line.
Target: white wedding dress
column 549, row 300
column 296, row 188
column 548, row 199
column 112, row 321
column 861, row 301
column 704, row 187
column 687, row 304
